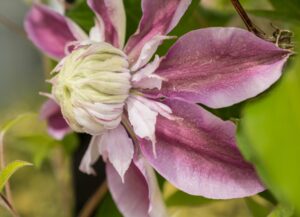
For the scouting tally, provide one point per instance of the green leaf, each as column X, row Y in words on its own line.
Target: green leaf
column 269, row 137
column 258, row 206
column 174, row 197
column 9, row 124
column 82, row 15
column 9, row 170
column 282, row 211
column 133, row 16
column 292, row 6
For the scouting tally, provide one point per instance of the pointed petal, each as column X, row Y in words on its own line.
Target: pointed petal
column 57, row 126
column 114, row 146
column 48, row 30
column 145, row 79
column 156, row 207
column 119, row 149
column 76, row 30
column 139, row 195
column 198, row 154
column 91, row 156
column 159, row 18
column 219, row 67
column 147, row 51
column 142, row 118
column 112, row 14
column 97, row 33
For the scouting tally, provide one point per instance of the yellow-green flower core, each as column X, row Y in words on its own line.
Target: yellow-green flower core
column 92, row 86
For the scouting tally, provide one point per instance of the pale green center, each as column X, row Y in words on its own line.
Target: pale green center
column 92, row 86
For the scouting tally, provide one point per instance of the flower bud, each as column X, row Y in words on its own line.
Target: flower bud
column 91, row 87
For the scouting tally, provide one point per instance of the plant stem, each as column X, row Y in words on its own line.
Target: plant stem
column 8, row 199
column 248, row 22
column 94, row 201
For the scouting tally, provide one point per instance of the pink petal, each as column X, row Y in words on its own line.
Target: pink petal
column 220, row 66
column 198, row 154
column 48, row 30
column 119, row 149
column 156, row 207
column 57, row 126
column 112, row 14
column 159, row 18
column 139, row 195
column 115, row 146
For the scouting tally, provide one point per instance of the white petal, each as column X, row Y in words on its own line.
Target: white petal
column 148, row 50
column 119, row 149
column 144, row 78
column 158, row 107
column 142, row 118
column 97, row 32
column 91, row 156
column 147, row 70
column 148, row 83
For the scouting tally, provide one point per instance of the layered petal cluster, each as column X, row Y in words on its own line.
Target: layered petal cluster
column 160, row 125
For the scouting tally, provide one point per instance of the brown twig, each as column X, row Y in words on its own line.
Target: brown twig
column 248, row 22
column 281, row 38
column 94, row 201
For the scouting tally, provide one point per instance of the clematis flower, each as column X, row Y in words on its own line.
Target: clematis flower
column 143, row 113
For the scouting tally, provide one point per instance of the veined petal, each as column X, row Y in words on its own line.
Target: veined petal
column 48, row 30
column 138, row 195
column 159, row 18
column 115, row 146
column 112, row 14
column 219, row 67
column 198, row 154
column 57, row 126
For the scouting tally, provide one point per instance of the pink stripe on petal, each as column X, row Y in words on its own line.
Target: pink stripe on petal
column 139, row 195
column 159, row 18
column 112, row 14
column 48, row 30
column 57, row 126
column 198, row 154
column 220, row 66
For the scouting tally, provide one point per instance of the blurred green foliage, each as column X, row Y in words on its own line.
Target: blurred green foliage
column 269, row 130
